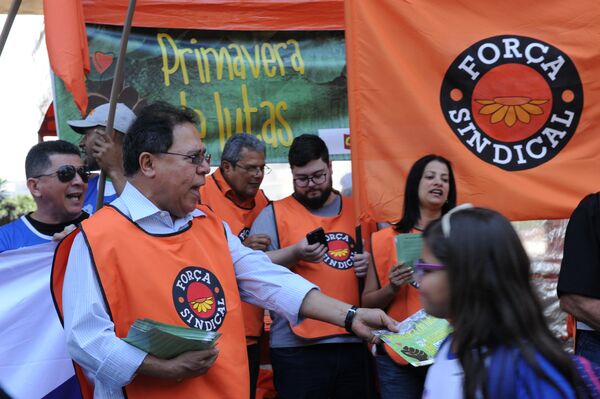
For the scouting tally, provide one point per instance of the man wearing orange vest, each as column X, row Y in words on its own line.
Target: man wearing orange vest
column 233, row 193
column 315, row 359
column 153, row 254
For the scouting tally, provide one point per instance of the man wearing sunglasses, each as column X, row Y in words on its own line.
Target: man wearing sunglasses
column 57, row 180
column 233, row 192
column 32, row 342
column 315, row 359
column 168, row 257
column 103, row 152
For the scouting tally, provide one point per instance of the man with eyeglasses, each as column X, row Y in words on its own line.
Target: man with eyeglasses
column 315, row 359
column 103, row 152
column 153, row 254
column 56, row 179
column 233, row 193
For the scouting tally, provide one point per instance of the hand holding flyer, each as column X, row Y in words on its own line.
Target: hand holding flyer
column 419, row 338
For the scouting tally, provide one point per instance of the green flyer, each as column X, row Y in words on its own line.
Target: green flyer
column 419, row 338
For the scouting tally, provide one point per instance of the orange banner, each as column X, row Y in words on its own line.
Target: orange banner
column 507, row 90
column 67, row 45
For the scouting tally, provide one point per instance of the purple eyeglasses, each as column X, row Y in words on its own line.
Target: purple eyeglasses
column 421, row 269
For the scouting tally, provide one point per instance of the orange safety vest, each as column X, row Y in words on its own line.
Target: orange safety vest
column 164, row 277
column 335, row 275
column 406, row 302
column 239, row 219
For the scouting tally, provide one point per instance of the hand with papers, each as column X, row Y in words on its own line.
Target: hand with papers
column 167, row 341
column 173, row 352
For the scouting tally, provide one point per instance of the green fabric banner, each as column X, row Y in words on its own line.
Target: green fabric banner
column 274, row 85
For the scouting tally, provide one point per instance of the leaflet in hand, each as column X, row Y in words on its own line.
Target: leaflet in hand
column 167, row 341
column 408, row 248
column 419, row 338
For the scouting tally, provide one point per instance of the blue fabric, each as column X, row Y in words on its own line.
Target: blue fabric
column 325, row 371
column 89, row 201
column 18, row 234
column 67, row 390
column 511, row 376
column 590, row 375
column 399, row 381
column 587, row 345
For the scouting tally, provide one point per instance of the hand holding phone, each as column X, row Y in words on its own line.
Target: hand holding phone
column 317, row 236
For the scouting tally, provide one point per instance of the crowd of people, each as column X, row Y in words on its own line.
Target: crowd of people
column 173, row 235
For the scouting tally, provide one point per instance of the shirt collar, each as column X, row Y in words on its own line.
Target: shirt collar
column 228, row 191
column 140, row 207
column 221, row 182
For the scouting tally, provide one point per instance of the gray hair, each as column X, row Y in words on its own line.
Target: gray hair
column 237, row 142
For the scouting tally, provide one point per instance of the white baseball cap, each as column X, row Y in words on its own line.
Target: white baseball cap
column 124, row 117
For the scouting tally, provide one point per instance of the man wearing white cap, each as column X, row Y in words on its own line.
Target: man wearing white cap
column 103, row 152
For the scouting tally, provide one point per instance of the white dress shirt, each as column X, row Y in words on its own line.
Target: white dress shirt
column 110, row 362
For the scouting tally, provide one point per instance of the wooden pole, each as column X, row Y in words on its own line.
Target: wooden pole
column 10, row 18
column 117, row 86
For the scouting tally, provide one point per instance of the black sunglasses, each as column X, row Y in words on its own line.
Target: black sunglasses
column 66, row 173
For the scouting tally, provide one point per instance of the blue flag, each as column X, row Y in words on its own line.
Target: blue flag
column 34, row 362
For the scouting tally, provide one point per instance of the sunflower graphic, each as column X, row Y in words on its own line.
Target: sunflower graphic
column 339, row 253
column 511, row 109
column 202, row 305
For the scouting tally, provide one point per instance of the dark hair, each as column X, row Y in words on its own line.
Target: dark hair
column 492, row 302
column 411, row 212
column 152, row 132
column 38, row 157
column 306, row 148
column 236, row 143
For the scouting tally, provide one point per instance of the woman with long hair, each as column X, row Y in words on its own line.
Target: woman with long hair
column 429, row 193
column 475, row 272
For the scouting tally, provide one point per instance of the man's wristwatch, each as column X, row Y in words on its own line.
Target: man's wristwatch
column 349, row 318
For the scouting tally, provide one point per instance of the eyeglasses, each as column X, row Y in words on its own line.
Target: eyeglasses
column 254, row 170
column 196, row 159
column 421, row 269
column 318, row 178
column 66, row 173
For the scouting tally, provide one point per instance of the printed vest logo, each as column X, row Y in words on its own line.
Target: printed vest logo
column 340, row 254
column 199, row 298
column 513, row 101
column 244, row 233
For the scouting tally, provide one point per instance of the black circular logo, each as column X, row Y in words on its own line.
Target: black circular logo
column 199, row 298
column 513, row 101
column 340, row 253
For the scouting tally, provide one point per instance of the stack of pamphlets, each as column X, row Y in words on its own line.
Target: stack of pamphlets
column 419, row 338
column 167, row 341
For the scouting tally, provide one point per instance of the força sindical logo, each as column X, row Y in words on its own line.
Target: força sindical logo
column 513, row 101
column 340, row 252
column 199, row 298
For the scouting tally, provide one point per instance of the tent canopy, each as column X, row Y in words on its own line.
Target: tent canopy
column 222, row 14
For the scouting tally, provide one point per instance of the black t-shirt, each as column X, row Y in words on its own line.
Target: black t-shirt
column 580, row 268
column 51, row 229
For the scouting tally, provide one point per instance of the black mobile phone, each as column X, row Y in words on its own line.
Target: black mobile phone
column 317, row 235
